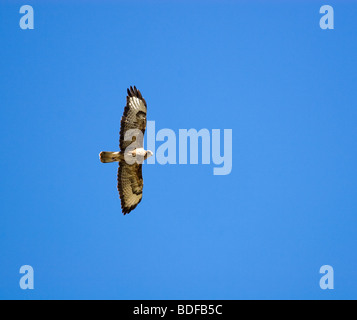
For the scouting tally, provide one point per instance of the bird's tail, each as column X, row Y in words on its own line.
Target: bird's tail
column 106, row 156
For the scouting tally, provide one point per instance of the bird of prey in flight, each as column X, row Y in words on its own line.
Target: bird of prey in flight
column 132, row 153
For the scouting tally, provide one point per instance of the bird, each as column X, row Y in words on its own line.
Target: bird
column 132, row 152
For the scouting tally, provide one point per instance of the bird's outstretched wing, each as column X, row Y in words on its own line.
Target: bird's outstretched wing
column 130, row 185
column 134, row 117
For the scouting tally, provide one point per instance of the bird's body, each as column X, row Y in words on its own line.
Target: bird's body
column 132, row 153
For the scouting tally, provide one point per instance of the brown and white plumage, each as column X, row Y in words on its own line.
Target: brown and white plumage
column 134, row 117
column 132, row 153
column 130, row 185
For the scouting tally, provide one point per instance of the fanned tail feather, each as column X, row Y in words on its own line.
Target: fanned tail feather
column 106, row 156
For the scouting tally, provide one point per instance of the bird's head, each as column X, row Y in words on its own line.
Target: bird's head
column 149, row 153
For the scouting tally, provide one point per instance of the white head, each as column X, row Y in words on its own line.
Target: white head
column 149, row 153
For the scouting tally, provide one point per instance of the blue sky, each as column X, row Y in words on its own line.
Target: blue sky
column 284, row 86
